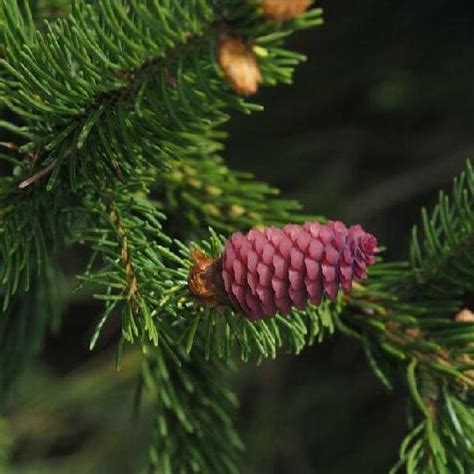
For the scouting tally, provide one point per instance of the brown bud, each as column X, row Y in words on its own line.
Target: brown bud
column 240, row 65
column 465, row 316
column 284, row 10
column 204, row 279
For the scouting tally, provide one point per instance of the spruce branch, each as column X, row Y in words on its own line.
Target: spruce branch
column 409, row 309
column 162, row 307
column 421, row 330
column 194, row 411
column 124, row 254
column 441, row 438
column 443, row 258
column 413, row 312
column 98, row 106
column 124, row 229
column 200, row 189
column 116, row 110
column 151, row 87
column 28, row 238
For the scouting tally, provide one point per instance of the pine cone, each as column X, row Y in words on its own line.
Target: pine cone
column 270, row 270
column 283, row 10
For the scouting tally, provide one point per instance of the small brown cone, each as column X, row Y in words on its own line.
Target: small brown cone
column 284, row 10
column 240, row 65
column 204, row 278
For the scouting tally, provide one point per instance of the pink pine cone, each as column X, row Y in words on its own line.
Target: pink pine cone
column 270, row 270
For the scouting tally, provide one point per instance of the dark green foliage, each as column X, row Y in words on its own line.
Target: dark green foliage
column 443, row 259
column 203, row 190
column 85, row 81
column 105, row 102
column 27, row 237
column 125, row 233
column 194, row 429
column 112, row 122
column 442, row 441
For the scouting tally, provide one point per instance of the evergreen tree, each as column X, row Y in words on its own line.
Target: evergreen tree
column 112, row 126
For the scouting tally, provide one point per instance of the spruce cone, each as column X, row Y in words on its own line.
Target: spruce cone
column 273, row 269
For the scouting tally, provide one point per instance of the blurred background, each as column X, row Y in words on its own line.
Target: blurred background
column 379, row 118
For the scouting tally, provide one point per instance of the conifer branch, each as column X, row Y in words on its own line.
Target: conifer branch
column 124, row 254
column 109, row 105
column 160, row 78
column 200, row 189
column 195, row 411
column 442, row 260
column 115, row 110
column 413, row 314
column 440, row 440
